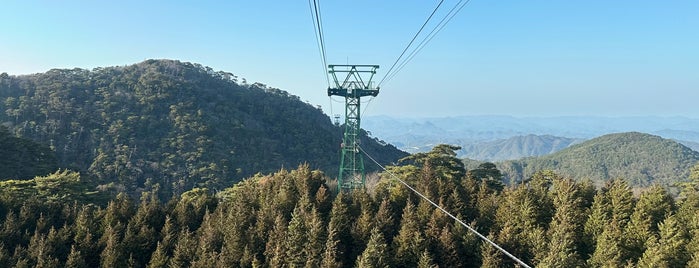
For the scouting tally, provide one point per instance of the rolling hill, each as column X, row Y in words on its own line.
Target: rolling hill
column 640, row 158
column 516, row 147
column 176, row 124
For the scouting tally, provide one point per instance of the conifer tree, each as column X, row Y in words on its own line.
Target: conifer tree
column 597, row 220
column 621, row 201
column 341, row 220
column 384, row 220
column 670, row 249
column 490, row 256
column 275, row 248
column 376, row 253
column 296, row 238
column 409, row 243
column 159, row 258
column 426, row 261
column 331, row 253
column 75, row 259
column 4, row 256
column 184, row 250
column 111, row 255
column 316, row 238
column 563, row 233
column 650, row 210
column 609, row 251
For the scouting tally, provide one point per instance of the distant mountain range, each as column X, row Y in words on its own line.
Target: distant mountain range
column 500, row 137
column 640, row 158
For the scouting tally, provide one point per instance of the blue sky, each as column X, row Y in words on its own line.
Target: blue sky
column 522, row 58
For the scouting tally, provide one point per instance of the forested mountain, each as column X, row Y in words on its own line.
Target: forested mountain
column 24, row 159
column 516, row 147
column 290, row 219
column 642, row 159
column 176, row 124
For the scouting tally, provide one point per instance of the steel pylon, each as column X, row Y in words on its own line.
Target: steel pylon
column 356, row 84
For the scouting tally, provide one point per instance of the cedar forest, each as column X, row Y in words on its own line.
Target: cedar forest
column 169, row 164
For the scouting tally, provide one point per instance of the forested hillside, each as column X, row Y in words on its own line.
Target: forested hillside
column 24, row 159
column 516, row 147
column 290, row 219
column 642, row 159
column 166, row 122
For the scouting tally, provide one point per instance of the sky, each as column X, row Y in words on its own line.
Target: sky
column 520, row 58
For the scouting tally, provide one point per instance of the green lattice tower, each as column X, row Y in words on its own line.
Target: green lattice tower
column 356, row 84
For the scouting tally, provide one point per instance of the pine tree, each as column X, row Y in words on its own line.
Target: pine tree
column 111, row 255
column 668, row 251
column 159, row 258
column 185, row 248
column 316, row 238
column 490, row 256
column 331, row 254
column 597, row 220
column 376, row 253
column 650, row 209
column 296, row 238
column 609, row 251
column 341, row 220
column 384, row 220
column 75, row 259
column 409, row 243
column 275, row 247
column 565, row 227
column 4, row 256
column 426, row 261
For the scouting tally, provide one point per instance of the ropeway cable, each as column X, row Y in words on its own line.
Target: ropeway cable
column 445, row 211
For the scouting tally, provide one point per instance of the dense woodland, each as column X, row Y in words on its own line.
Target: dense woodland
column 168, row 123
column 134, row 167
column 641, row 159
column 292, row 219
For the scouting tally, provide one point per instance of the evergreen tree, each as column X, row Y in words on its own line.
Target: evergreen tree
column 490, row 256
column 376, row 253
column 184, row 251
column 670, row 249
column 316, row 237
column 563, row 234
column 111, row 255
column 650, row 210
column 341, row 220
column 275, row 249
column 426, row 261
column 296, row 238
column 409, row 243
column 75, row 259
column 609, row 251
column 331, row 253
column 159, row 258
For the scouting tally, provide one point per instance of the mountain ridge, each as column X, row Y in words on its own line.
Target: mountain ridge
column 177, row 124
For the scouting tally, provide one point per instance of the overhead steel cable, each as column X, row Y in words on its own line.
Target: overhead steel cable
column 450, row 15
column 320, row 40
column 513, row 257
column 411, row 42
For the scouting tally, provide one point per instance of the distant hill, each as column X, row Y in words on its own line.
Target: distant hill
column 178, row 124
column 640, row 158
column 516, row 147
column 421, row 134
